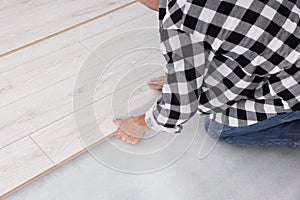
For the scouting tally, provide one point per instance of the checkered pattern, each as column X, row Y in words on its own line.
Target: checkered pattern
column 236, row 60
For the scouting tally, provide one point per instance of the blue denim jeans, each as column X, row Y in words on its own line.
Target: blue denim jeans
column 282, row 130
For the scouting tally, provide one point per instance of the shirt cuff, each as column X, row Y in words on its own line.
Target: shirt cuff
column 152, row 123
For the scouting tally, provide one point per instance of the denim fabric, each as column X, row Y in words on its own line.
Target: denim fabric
column 282, row 131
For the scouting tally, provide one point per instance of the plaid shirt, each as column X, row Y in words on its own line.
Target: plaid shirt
column 236, row 60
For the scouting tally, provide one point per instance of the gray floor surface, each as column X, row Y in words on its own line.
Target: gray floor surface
column 228, row 172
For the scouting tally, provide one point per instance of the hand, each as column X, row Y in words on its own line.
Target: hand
column 152, row 4
column 131, row 129
column 157, row 83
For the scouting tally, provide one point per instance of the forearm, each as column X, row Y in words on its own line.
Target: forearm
column 179, row 102
column 181, row 91
column 140, row 121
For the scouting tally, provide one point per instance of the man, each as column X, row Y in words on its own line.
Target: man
column 237, row 61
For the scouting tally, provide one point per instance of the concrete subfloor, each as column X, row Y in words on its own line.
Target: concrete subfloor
column 227, row 172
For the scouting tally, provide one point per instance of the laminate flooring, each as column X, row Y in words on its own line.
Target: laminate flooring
column 46, row 46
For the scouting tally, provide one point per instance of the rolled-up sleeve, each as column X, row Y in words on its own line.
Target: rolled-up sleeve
column 184, row 70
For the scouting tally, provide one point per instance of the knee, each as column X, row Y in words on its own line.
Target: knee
column 212, row 128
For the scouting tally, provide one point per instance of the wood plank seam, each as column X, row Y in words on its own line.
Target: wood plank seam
column 85, row 149
column 42, row 56
column 67, row 115
column 64, row 30
column 55, row 166
column 61, row 118
column 72, row 112
column 41, row 149
column 53, row 84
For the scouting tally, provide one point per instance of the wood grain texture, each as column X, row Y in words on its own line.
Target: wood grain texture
column 119, row 20
column 44, row 107
column 42, row 22
column 37, row 88
column 32, row 76
column 43, row 2
column 59, row 140
column 42, row 72
column 55, row 102
column 67, row 137
column 38, row 110
column 20, row 162
column 62, row 141
column 15, row 6
column 19, row 186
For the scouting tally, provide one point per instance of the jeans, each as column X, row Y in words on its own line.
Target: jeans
column 282, row 130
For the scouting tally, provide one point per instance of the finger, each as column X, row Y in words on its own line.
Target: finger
column 135, row 140
column 161, row 84
column 161, row 78
column 118, row 134
column 123, row 135
column 155, row 86
column 130, row 140
column 157, row 81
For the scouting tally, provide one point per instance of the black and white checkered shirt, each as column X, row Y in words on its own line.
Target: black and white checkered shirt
column 236, row 60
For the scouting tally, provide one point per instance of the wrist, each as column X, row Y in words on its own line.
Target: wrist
column 140, row 121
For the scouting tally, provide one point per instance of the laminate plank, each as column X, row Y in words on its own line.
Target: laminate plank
column 40, row 112
column 14, row 6
column 45, row 106
column 46, row 71
column 42, row 108
column 19, row 162
column 25, row 116
column 21, row 30
column 7, row 3
column 31, row 76
column 61, row 140
column 35, row 111
column 126, row 70
column 65, row 138
column 42, row 72
column 55, row 102
column 118, row 21
column 43, row 2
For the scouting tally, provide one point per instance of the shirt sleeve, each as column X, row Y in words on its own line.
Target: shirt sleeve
column 184, row 70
